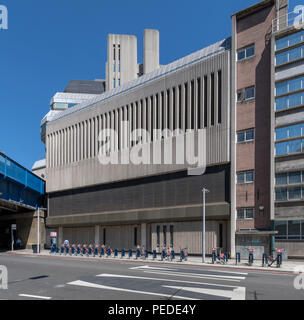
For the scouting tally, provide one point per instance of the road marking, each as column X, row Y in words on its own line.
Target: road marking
column 107, row 275
column 99, row 286
column 35, row 297
column 148, row 267
column 199, row 276
column 176, row 269
column 233, row 295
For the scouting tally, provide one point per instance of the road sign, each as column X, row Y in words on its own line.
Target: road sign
column 14, row 227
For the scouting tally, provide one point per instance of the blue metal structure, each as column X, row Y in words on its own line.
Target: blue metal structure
column 18, row 184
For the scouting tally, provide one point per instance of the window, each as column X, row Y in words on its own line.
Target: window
column 245, row 213
column 219, row 97
column 165, row 235
column 290, row 40
column 158, row 235
column 291, row 193
column 290, row 147
column 290, row 132
column 135, row 237
column 290, row 55
column 171, row 235
column 281, row 227
column 245, row 177
column 104, row 236
column 244, row 136
column 212, row 99
column 246, row 94
column 245, row 53
column 294, row 228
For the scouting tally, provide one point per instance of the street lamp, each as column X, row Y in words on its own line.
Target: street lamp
column 204, row 190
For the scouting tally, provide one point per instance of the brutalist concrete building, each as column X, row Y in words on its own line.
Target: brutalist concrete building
column 245, row 92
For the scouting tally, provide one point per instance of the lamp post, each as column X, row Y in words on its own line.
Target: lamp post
column 204, row 190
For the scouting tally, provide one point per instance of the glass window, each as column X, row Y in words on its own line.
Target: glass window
column 250, row 52
column 249, row 93
column 294, row 229
column 241, row 136
column 295, row 100
column 281, row 133
column 294, row 146
column 295, row 38
column 245, row 53
column 295, row 54
column 240, row 178
column 281, row 179
column 281, row 148
column 282, row 43
column 295, row 131
column 249, row 213
column 302, row 229
column 281, row 103
column 240, row 213
column 241, row 55
column 250, row 135
column 249, row 176
column 294, row 193
column 281, row 227
column 281, row 88
column 294, row 84
column 294, row 177
column 282, row 58
column 281, row 194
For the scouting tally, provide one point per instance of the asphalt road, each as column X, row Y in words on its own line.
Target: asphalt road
column 57, row 278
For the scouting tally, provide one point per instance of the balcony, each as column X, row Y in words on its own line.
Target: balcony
column 292, row 19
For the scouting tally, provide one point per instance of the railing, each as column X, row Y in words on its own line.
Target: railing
column 14, row 171
column 295, row 19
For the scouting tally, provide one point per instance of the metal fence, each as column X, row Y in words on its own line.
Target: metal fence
column 14, row 171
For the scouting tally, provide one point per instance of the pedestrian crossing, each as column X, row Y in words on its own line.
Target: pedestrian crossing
column 170, row 283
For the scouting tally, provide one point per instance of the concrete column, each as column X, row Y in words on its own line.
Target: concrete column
column 143, row 230
column 97, row 235
column 60, row 235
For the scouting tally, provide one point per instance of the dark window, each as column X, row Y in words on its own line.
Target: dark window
column 168, row 109
column 186, row 106
column 158, row 235
column 199, row 103
column 219, row 98
column 205, row 102
column 135, row 237
column 157, row 113
column 147, row 115
column 220, row 235
column 163, row 110
column 141, row 114
column 152, row 117
column 104, row 236
column 180, row 105
column 174, row 110
column 212, row 99
column 165, row 235
column 192, row 105
column 171, row 236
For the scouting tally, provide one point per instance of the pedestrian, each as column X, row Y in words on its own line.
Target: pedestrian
column 19, row 243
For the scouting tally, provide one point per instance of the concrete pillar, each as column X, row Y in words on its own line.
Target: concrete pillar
column 97, row 235
column 143, row 230
column 60, row 235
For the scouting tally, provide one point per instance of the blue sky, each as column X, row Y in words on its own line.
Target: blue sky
column 49, row 43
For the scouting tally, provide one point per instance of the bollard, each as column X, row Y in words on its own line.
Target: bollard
column 73, row 250
column 137, row 253
column 96, row 251
column 78, row 250
column 213, row 256
column 123, row 253
column 238, row 258
column 102, row 252
column 130, row 253
column 154, row 255
column 57, row 250
column 61, row 250
column 108, row 252
column 279, row 258
column 115, row 253
column 90, row 251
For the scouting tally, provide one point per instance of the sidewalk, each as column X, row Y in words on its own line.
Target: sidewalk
column 287, row 266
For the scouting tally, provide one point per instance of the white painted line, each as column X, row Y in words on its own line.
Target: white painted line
column 155, row 268
column 35, row 297
column 237, row 295
column 229, row 272
column 99, row 286
column 198, row 276
column 107, row 275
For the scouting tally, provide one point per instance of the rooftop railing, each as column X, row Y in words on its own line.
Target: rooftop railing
column 293, row 18
column 11, row 169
